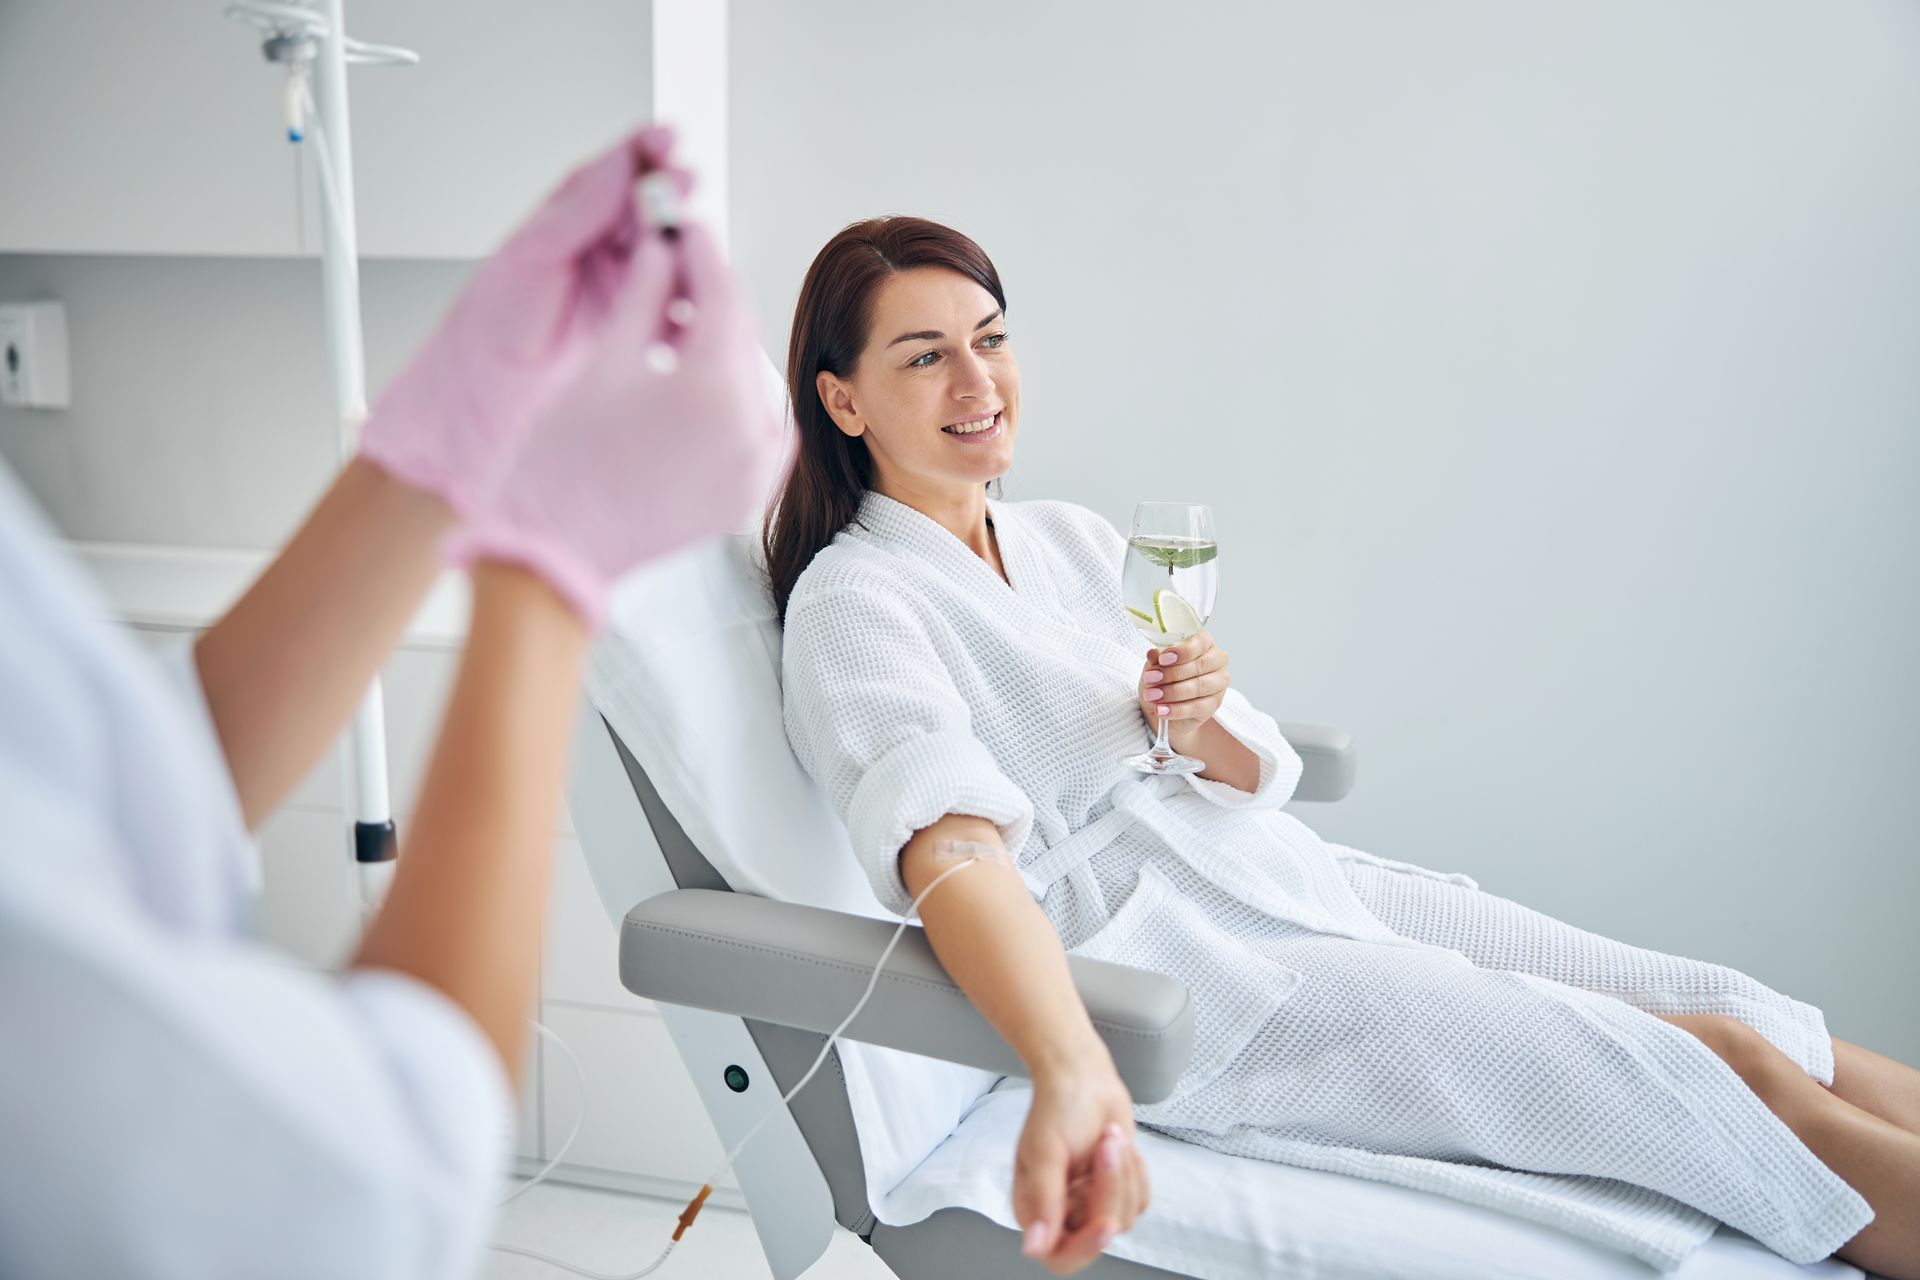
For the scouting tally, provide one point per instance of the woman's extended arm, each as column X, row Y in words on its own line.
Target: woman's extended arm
column 284, row 668
column 465, row 910
column 1078, row 1180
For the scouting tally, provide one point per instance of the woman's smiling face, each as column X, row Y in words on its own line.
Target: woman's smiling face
column 936, row 392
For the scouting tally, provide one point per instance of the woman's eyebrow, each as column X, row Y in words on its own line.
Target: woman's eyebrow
column 934, row 335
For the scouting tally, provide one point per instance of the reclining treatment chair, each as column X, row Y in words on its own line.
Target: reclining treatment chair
column 742, row 913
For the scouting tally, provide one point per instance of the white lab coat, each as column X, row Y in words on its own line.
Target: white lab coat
column 1351, row 1014
column 176, row 1100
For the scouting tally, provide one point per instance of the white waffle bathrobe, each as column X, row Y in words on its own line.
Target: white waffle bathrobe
column 1351, row 1014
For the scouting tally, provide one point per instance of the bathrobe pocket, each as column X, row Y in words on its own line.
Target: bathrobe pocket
column 1234, row 989
column 1343, row 854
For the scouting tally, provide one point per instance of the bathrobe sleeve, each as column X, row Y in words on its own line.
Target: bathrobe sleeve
column 874, row 716
column 1280, row 764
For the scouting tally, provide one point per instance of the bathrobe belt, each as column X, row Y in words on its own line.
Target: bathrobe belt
column 1134, row 800
column 1143, row 800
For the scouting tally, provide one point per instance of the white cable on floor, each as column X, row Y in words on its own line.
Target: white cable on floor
column 579, row 1116
column 647, row 1270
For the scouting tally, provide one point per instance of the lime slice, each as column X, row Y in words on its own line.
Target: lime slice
column 1144, row 617
column 1173, row 615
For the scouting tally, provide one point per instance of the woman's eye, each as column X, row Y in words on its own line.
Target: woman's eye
column 924, row 360
column 994, row 341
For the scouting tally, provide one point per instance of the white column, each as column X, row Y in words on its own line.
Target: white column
column 690, row 93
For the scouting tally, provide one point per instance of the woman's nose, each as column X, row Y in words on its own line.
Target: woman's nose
column 972, row 380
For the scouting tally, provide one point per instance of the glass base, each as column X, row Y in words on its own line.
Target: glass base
column 1172, row 763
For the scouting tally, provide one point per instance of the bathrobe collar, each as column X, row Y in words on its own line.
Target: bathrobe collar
column 892, row 521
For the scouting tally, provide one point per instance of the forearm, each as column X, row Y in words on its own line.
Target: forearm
column 996, row 943
column 1228, row 759
column 285, row 667
column 468, row 900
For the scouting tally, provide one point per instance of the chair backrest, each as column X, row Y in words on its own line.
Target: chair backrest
column 688, row 866
column 688, row 675
column 688, row 678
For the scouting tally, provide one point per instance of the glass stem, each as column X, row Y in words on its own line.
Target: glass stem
column 1160, row 745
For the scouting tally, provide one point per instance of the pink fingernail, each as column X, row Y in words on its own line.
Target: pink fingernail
column 1035, row 1242
column 1107, row 1233
column 1155, row 677
column 1154, row 695
column 1165, row 711
column 1168, row 658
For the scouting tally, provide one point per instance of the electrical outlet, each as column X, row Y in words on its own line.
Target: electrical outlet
column 33, row 355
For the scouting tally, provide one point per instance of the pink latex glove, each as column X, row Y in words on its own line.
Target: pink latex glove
column 645, row 452
column 451, row 422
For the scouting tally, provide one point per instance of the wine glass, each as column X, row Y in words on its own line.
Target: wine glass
column 1167, row 587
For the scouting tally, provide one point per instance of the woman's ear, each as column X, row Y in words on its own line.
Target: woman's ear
column 837, row 395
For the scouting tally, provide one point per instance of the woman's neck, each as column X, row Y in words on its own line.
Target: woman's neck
column 962, row 513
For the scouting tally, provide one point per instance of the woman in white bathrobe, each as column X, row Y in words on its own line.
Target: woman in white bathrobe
column 959, row 675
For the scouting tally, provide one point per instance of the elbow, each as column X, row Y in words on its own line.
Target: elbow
column 935, row 848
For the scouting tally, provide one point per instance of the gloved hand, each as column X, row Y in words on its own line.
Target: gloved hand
column 669, row 434
column 451, row 421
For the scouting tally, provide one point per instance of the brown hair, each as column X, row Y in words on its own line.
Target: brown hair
column 831, row 470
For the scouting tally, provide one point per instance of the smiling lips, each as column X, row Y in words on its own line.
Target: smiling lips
column 976, row 430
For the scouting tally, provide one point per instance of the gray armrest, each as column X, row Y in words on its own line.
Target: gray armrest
column 1329, row 759
column 805, row 967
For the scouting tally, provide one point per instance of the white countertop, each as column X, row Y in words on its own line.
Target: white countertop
column 190, row 587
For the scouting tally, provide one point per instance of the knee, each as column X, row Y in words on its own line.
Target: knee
column 1766, row 1070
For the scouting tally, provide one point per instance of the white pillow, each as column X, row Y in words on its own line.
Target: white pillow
column 688, row 674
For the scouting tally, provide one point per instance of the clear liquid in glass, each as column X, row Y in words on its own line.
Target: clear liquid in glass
column 1168, row 585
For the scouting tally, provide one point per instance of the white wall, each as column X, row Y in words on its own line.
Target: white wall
column 136, row 126
column 1551, row 369
column 201, row 415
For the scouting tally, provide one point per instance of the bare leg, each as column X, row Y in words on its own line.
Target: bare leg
column 1888, row 1089
column 1875, row 1157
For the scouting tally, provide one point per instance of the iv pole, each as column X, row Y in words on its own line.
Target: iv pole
column 312, row 42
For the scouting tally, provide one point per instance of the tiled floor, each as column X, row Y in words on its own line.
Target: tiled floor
column 608, row 1232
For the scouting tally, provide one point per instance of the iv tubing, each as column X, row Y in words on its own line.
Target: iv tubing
column 699, row 1201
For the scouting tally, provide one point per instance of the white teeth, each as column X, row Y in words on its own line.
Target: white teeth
column 972, row 428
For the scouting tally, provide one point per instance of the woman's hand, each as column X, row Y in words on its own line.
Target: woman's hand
column 1078, row 1179
column 1184, row 685
column 669, row 435
column 526, row 323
